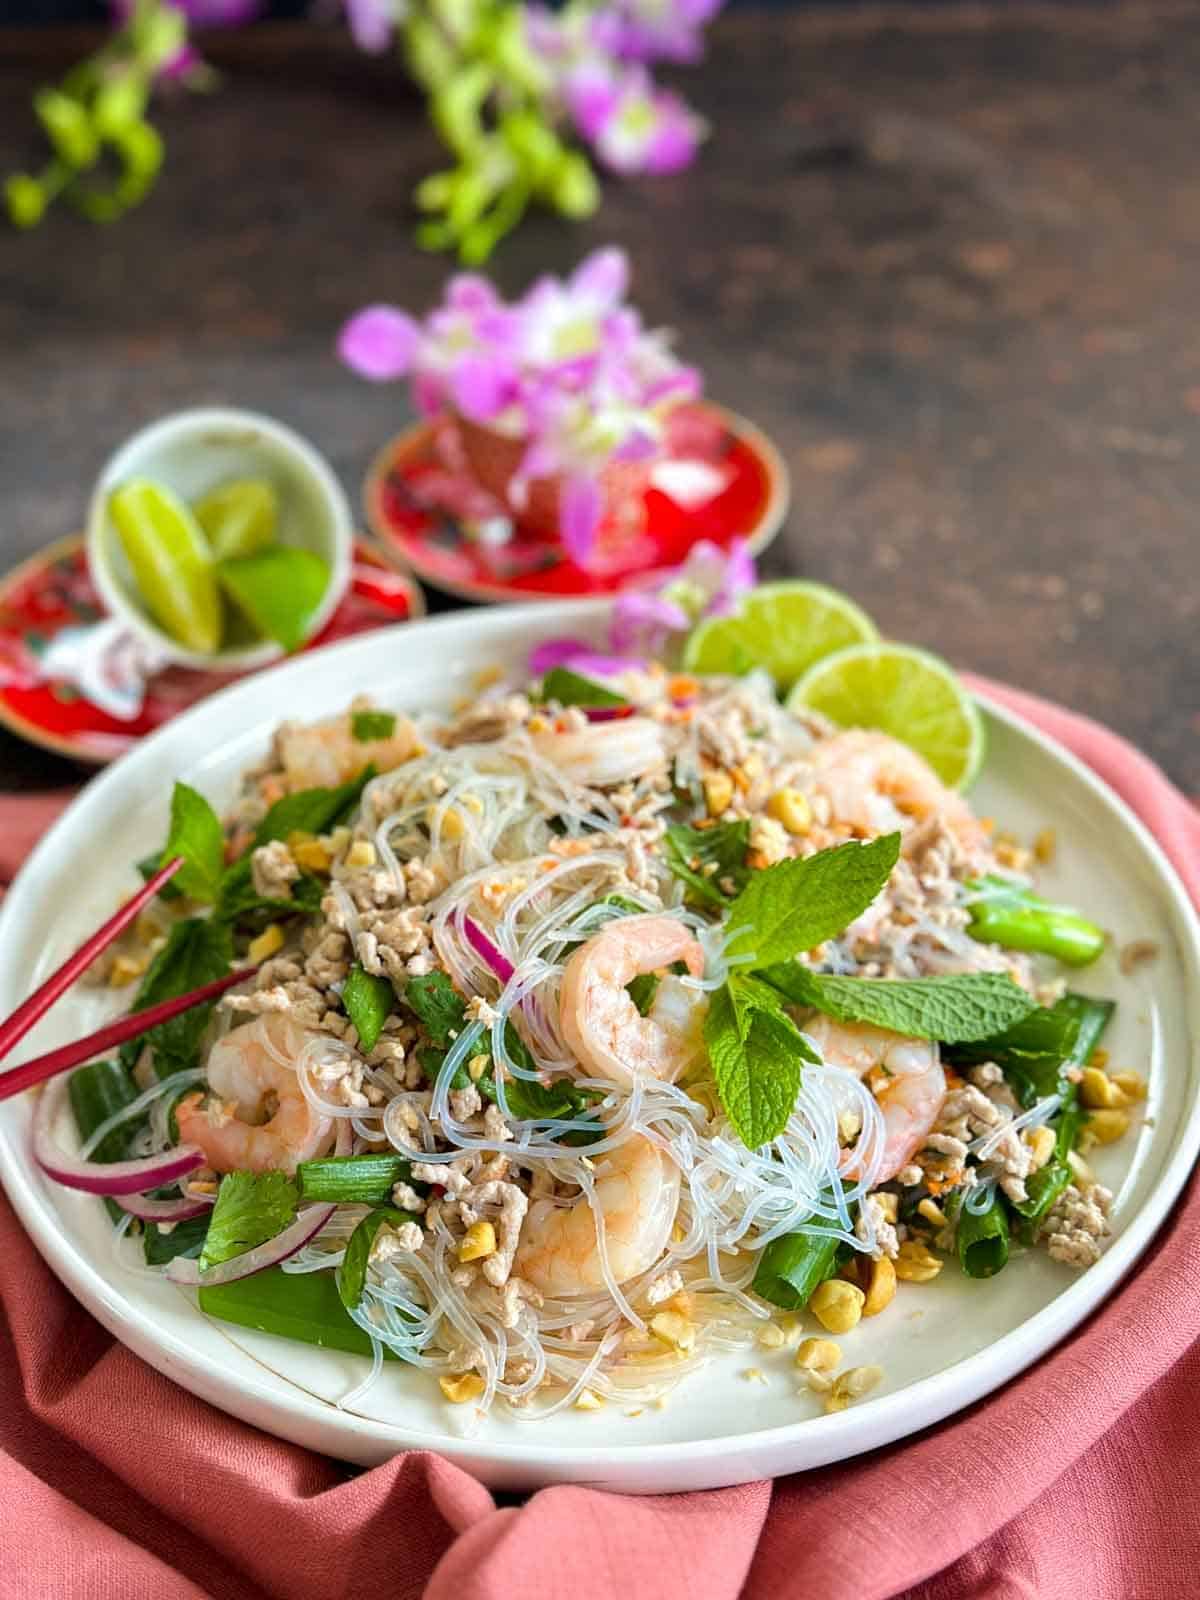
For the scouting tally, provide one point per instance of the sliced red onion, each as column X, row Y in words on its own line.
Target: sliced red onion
column 185, row 1270
column 181, row 1209
column 113, row 1178
column 607, row 713
column 487, row 951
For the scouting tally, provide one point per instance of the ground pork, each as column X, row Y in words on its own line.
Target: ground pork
column 1074, row 1228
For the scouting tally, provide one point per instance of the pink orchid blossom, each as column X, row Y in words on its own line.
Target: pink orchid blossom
column 633, row 126
column 710, row 583
column 379, row 343
column 578, row 656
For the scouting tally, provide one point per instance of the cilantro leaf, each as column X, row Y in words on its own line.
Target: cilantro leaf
column 952, row 1009
column 351, row 1275
column 366, row 726
column 722, row 849
column 367, row 1000
column 195, row 834
column 758, row 1056
column 197, row 951
column 312, row 810
column 798, row 904
column 572, row 689
column 439, row 1006
column 251, row 1208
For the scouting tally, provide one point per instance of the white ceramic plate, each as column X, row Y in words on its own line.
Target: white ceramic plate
column 942, row 1345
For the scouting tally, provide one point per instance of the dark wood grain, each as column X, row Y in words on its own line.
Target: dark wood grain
column 951, row 262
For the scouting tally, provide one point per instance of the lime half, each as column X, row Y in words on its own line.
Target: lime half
column 784, row 627
column 279, row 589
column 171, row 563
column 908, row 693
column 238, row 517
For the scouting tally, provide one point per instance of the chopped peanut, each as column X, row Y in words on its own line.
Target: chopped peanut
column 888, row 1206
column 589, row 1400
column 453, row 826
column 673, row 1329
column 124, row 970
column 718, row 792
column 771, row 1336
column 852, row 1385
column 1041, row 1142
column 818, row 1355
column 361, row 854
column 1131, row 1084
column 791, row 807
column 477, row 1066
column 1044, row 845
column 307, row 851
column 916, row 1263
column 881, row 1287
column 1097, row 1091
column 1107, row 1126
column 268, row 941
column 467, row 1387
column 837, row 1305
column 478, row 1241
column 932, row 1212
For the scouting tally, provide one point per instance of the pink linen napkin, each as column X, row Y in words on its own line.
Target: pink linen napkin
column 1076, row 1480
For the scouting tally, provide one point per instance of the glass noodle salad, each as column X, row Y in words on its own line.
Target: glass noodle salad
column 600, row 1026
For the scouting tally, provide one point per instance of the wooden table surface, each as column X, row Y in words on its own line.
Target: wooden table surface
column 951, row 262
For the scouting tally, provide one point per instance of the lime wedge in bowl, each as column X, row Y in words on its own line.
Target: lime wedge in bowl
column 170, row 561
column 238, row 517
column 903, row 691
column 279, row 590
column 784, row 627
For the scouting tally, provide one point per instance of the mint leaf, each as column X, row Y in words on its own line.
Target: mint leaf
column 367, row 1000
column 195, row 834
column 758, row 1056
column 368, row 725
column 796, row 905
column 351, row 1276
column 238, row 901
column 312, row 810
column 572, row 689
column 439, row 1005
column 197, row 951
column 251, row 1208
column 721, row 849
column 952, row 1009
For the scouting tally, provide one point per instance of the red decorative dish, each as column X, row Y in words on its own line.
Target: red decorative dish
column 721, row 479
column 53, row 590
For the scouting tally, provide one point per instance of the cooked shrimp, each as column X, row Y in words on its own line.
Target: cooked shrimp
column 912, row 1095
column 636, row 1193
column 875, row 784
column 605, row 754
column 600, row 1022
column 324, row 754
column 249, row 1073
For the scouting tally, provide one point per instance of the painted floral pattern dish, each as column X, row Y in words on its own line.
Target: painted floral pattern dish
column 50, row 613
column 720, row 480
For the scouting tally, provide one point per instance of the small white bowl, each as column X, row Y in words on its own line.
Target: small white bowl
column 192, row 452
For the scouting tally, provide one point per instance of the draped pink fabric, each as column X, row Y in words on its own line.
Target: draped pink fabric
column 1076, row 1480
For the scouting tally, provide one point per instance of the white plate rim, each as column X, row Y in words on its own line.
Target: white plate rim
column 873, row 1423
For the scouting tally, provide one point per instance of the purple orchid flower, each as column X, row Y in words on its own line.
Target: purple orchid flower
column 379, row 343
column 709, row 583
column 632, row 126
column 579, row 657
column 654, row 30
column 372, row 24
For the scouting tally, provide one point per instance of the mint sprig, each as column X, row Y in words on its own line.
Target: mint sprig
column 195, row 833
column 796, row 905
column 955, row 1009
column 757, row 1055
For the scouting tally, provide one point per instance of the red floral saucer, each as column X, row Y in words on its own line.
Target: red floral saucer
column 53, row 590
column 721, row 479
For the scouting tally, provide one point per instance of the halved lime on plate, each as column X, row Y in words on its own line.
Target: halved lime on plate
column 784, row 627
column 279, row 590
column 171, row 563
column 903, row 691
column 238, row 517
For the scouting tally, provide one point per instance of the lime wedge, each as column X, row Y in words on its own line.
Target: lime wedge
column 238, row 517
column 783, row 627
column 906, row 692
column 171, row 563
column 279, row 589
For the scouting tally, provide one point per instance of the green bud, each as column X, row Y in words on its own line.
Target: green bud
column 118, row 103
column 432, row 60
column 25, row 199
column 156, row 32
column 68, row 127
column 434, row 236
column 434, row 192
column 513, row 57
column 459, row 18
column 141, row 152
column 537, row 148
column 573, row 189
column 455, row 109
